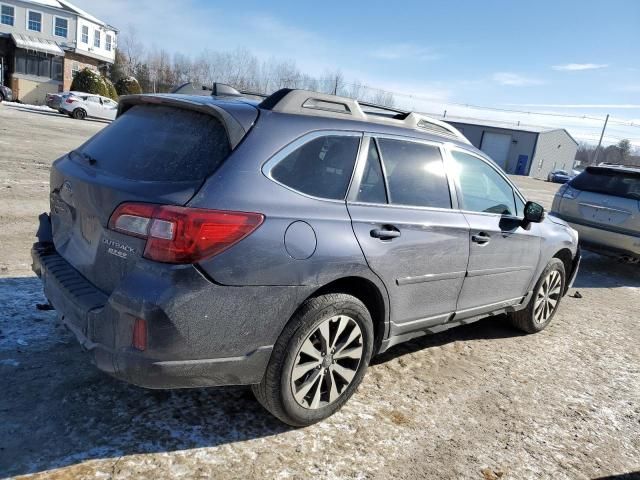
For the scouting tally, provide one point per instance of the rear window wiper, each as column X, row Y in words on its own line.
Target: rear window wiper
column 86, row 156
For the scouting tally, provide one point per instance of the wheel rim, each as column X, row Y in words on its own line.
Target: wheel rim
column 327, row 362
column 547, row 297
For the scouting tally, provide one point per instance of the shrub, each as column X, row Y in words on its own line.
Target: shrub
column 111, row 89
column 128, row 86
column 88, row 81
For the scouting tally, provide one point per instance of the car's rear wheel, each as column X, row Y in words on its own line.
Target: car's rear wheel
column 545, row 301
column 318, row 361
column 79, row 114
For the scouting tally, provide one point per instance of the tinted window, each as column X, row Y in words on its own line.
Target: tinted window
column 158, row 143
column 321, row 167
column 415, row 174
column 482, row 189
column 609, row 182
column 372, row 189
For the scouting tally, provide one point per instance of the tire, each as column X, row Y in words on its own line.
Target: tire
column 79, row 114
column 334, row 316
column 541, row 310
column 1, row 97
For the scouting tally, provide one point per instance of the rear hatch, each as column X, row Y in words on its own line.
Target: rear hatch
column 603, row 197
column 159, row 150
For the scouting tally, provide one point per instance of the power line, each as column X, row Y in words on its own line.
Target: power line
column 495, row 109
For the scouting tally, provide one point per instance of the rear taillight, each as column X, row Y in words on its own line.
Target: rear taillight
column 181, row 234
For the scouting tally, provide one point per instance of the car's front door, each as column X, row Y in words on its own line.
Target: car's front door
column 401, row 209
column 503, row 252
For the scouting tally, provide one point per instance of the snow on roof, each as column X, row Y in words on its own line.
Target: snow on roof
column 66, row 5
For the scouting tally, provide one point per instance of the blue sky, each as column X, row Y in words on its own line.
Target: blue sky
column 566, row 56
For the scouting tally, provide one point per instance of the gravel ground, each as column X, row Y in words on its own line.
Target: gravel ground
column 480, row 401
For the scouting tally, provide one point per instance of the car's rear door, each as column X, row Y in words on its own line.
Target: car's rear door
column 93, row 105
column 401, row 210
column 503, row 254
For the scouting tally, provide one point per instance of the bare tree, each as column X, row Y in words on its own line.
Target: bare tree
column 132, row 49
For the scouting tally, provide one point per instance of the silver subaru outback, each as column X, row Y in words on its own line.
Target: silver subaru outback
column 603, row 205
column 200, row 241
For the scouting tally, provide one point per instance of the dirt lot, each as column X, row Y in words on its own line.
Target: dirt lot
column 479, row 401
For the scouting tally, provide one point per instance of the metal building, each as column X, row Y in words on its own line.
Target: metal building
column 521, row 150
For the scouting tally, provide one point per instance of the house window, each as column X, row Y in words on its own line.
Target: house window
column 85, row 34
column 96, row 38
column 61, row 27
column 75, row 68
column 34, row 21
column 107, row 43
column 7, row 15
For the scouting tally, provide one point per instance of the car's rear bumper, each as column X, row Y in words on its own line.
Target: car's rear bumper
column 223, row 338
column 605, row 240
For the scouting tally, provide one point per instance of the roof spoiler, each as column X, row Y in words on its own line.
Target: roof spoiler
column 235, row 130
column 305, row 102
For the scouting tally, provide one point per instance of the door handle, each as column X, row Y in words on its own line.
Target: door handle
column 481, row 238
column 387, row 232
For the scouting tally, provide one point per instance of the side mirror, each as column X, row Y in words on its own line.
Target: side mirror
column 533, row 212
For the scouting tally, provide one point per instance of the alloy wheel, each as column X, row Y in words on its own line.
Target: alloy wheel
column 547, row 297
column 327, row 362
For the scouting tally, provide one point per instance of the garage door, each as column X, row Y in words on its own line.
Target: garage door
column 497, row 146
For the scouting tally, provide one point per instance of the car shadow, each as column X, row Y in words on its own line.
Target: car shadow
column 489, row 328
column 57, row 409
column 598, row 271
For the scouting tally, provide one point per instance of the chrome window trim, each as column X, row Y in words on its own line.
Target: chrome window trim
column 449, row 147
column 268, row 166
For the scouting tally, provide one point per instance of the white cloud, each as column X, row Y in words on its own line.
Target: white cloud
column 515, row 79
column 405, row 51
column 574, row 67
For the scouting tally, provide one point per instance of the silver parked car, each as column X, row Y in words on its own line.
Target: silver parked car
column 86, row 105
column 603, row 204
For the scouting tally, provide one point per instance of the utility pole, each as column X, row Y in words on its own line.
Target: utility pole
column 595, row 155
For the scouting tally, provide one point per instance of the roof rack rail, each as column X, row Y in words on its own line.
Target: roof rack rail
column 305, row 102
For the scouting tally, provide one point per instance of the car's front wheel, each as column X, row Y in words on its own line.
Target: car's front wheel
column 318, row 361
column 545, row 300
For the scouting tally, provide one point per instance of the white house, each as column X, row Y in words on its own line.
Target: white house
column 44, row 43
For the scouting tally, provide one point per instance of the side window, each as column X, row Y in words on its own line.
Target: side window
column 321, row 167
column 93, row 99
column 372, row 189
column 482, row 189
column 415, row 174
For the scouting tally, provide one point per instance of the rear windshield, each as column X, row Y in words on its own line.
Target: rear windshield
column 609, row 182
column 158, row 143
